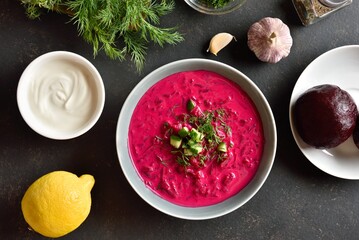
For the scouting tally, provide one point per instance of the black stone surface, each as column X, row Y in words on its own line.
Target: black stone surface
column 298, row 201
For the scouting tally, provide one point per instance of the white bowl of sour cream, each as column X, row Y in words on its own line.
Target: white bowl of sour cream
column 60, row 95
column 190, row 176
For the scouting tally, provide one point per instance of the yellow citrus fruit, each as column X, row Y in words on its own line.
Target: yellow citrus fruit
column 57, row 203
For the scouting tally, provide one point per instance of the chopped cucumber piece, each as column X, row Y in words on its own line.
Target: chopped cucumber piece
column 187, row 152
column 185, row 145
column 175, row 141
column 183, row 132
column 197, row 148
column 196, row 135
column 194, row 150
column 191, row 105
column 222, row 147
column 191, row 143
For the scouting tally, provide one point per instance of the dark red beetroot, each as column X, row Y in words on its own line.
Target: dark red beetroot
column 356, row 133
column 325, row 116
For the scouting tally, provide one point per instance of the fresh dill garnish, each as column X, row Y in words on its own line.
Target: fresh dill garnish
column 159, row 138
column 202, row 159
column 168, row 130
column 221, row 157
column 172, row 110
column 217, row 3
column 117, row 27
column 182, row 159
column 207, row 128
column 202, row 137
column 162, row 161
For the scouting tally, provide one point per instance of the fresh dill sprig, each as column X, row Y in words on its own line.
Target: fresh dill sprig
column 117, row 27
column 182, row 159
column 162, row 161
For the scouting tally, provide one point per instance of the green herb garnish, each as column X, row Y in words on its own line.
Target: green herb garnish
column 191, row 105
column 117, row 27
column 175, row 141
column 222, row 147
column 217, row 3
column 162, row 161
column 183, row 132
column 203, row 140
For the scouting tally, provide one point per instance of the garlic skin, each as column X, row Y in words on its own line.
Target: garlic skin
column 270, row 39
column 219, row 41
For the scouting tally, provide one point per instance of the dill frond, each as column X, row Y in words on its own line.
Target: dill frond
column 117, row 27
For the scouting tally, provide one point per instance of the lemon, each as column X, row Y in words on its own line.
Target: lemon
column 57, row 203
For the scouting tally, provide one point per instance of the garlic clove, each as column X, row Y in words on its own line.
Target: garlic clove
column 219, row 41
column 270, row 39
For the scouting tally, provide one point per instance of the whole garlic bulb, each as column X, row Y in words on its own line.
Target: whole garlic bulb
column 270, row 39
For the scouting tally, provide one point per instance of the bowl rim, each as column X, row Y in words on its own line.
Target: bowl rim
column 207, row 212
column 202, row 8
column 23, row 87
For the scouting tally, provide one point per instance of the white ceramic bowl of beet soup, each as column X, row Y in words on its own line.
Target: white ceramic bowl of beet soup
column 60, row 95
column 196, row 139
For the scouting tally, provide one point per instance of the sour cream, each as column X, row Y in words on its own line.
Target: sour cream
column 62, row 96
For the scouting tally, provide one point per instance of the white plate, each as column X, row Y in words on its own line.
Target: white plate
column 340, row 67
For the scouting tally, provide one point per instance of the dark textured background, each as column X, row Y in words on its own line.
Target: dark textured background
column 298, row 201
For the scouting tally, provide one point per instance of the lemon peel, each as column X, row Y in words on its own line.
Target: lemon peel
column 57, row 203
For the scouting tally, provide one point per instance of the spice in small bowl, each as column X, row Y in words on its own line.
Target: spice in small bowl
column 311, row 11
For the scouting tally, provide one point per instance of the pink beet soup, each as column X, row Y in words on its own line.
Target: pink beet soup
column 199, row 169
